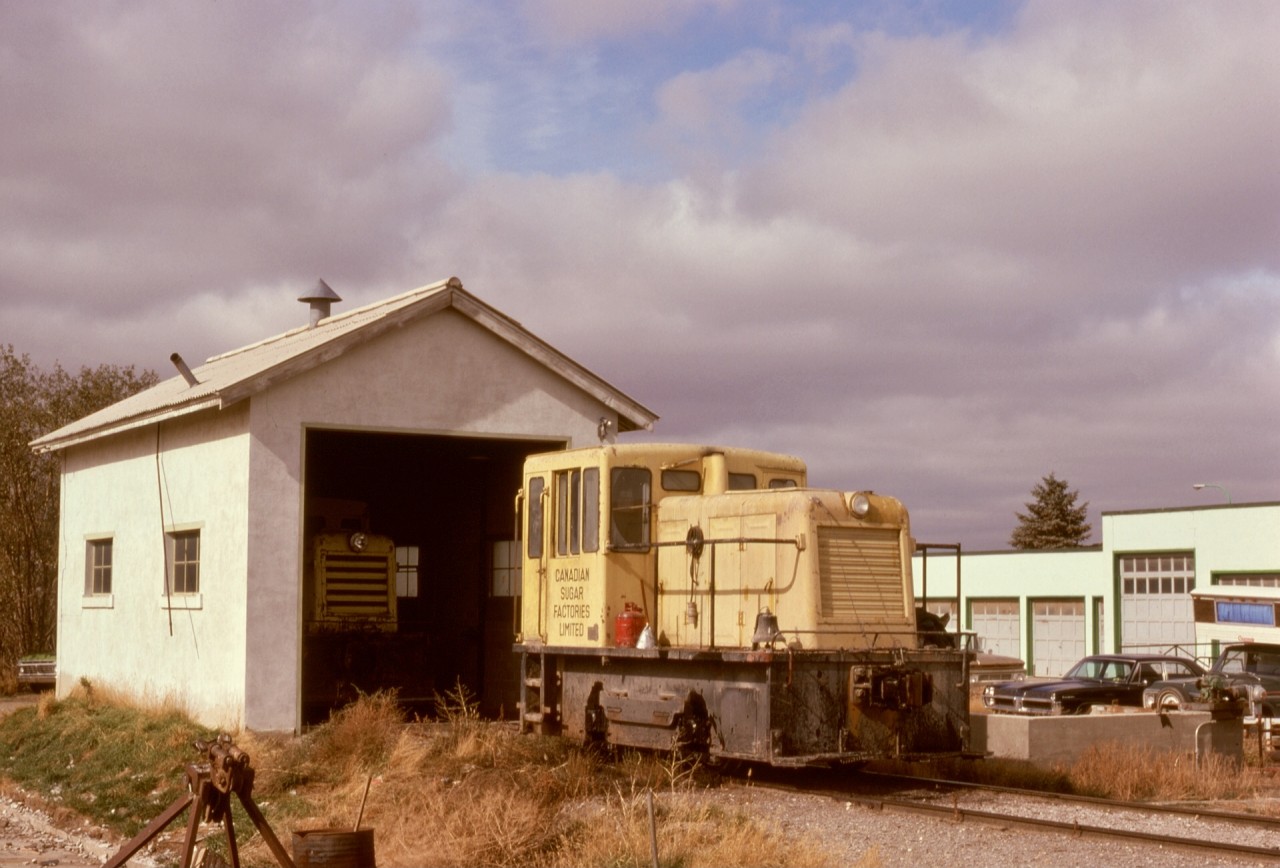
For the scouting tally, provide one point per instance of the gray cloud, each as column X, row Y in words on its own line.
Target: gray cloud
column 982, row 258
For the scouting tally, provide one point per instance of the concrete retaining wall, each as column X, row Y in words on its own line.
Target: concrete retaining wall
column 1065, row 739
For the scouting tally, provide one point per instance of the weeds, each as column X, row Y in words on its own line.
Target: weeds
column 1108, row 770
column 1141, row 774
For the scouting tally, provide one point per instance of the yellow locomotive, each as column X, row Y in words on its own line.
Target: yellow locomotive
column 700, row 598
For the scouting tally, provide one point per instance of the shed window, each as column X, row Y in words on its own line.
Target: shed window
column 506, row 569
column 98, row 557
column 406, row 571
column 183, row 552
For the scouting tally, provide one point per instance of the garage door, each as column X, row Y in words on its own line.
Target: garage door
column 998, row 625
column 1155, row 601
column 1057, row 631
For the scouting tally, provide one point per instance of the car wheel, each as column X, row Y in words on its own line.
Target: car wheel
column 1168, row 700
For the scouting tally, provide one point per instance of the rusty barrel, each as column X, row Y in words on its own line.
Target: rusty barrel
column 333, row 848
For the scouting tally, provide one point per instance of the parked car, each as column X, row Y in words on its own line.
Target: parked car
column 1253, row 666
column 38, row 671
column 1100, row 679
column 985, row 667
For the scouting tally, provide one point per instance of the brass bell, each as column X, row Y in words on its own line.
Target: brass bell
column 766, row 629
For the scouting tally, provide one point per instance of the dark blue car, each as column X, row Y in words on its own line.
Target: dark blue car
column 1100, row 679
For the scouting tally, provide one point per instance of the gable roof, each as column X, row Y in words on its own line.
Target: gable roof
column 230, row 377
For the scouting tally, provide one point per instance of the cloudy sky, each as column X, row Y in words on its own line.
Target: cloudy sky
column 938, row 249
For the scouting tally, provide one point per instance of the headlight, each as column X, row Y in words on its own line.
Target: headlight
column 859, row 504
column 357, row 541
column 1257, row 692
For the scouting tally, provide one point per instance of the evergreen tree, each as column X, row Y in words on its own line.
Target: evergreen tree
column 1052, row 520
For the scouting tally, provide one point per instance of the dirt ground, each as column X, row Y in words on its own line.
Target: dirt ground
column 29, row 836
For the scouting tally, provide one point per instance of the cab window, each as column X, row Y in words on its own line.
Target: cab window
column 534, row 536
column 577, row 497
column 681, row 480
column 629, row 498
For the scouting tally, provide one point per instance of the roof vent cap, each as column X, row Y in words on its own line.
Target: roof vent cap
column 320, row 298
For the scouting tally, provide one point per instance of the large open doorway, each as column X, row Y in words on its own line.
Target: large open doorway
column 411, row 574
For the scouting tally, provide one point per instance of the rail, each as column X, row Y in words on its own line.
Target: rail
column 1227, row 842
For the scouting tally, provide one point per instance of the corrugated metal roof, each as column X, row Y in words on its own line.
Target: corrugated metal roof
column 233, row 376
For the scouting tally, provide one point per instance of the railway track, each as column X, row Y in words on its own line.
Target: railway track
column 1222, row 833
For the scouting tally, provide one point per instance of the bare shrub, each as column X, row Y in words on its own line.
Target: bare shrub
column 357, row 739
column 46, row 705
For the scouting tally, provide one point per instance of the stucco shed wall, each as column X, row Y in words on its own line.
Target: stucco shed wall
column 134, row 487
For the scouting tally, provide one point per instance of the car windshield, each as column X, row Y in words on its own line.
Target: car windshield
column 1093, row 669
column 1237, row 660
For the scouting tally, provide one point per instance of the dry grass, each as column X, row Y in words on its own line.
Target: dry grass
column 458, row 790
column 463, row 791
column 692, row 832
column 1145, row 774
column 1113, row 771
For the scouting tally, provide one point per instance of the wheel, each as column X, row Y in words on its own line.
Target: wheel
column 1168, row 700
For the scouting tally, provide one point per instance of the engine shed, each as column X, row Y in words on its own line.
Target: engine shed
column 325, row 512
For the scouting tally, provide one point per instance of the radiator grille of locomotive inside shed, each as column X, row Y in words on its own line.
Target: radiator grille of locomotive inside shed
column 861, row 574
column 355, row 586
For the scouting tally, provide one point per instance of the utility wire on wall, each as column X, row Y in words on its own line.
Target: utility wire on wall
column 162, row 492
column 164, row 544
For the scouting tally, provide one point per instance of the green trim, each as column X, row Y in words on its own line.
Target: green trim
column 1117, row 622
column 1028, row 637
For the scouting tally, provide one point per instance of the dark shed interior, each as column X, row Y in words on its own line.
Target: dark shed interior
column 447, row 504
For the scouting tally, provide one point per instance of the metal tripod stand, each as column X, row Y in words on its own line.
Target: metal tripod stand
column 209, row 789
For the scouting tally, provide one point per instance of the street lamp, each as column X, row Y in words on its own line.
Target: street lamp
column 1200, row 486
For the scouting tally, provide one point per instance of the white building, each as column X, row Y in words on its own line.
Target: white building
column 1131, row 592
column 186, row 509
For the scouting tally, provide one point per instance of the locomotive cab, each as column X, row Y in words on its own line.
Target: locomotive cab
column 587, row 516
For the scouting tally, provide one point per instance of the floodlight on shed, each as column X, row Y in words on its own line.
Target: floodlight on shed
column 320, row 298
